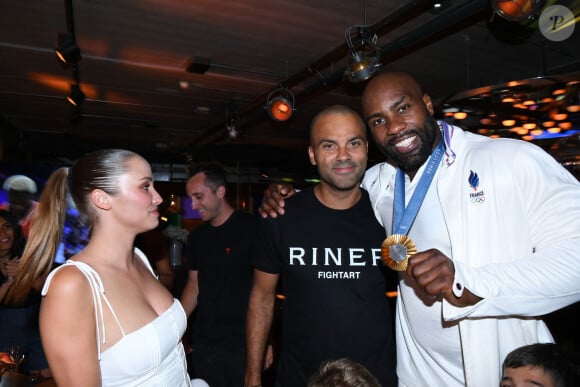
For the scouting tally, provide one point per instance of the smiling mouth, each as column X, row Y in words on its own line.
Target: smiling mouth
column 344, row 169
column 406, row 144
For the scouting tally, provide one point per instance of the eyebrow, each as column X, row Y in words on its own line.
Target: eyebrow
column 323, row 140
column 507, row 378
column 398, row 102
column 391, row 106
column 356, row 138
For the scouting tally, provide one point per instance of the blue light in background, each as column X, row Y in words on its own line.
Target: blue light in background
column 547, row 135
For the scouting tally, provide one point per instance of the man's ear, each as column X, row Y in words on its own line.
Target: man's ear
column 221, row 191
column 101, row 199
column 428, row 104
column 311, row 155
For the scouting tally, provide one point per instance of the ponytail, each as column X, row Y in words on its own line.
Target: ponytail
column 44, row 238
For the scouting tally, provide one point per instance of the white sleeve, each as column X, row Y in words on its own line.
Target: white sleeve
column 548, row 277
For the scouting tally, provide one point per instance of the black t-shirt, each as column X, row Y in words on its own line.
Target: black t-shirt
column 334, row 284
column 222, row 256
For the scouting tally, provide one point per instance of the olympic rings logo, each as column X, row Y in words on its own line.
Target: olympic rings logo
column 479, row 199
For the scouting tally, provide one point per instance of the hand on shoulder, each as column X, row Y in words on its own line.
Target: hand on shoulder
column 274, row 199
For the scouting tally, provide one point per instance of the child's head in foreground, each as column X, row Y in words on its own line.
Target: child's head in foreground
column 343, row 373
column 541, row 365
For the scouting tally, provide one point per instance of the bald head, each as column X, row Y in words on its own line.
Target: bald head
column 398, row 83
column 335, row 110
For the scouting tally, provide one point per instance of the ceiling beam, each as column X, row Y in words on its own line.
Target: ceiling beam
column 391, row 21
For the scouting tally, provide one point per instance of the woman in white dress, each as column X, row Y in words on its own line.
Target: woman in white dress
column 105, row 319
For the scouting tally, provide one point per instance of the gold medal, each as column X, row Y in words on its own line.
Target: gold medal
column 396, row 250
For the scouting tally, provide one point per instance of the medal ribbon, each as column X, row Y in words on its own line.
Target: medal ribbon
column 403, row 217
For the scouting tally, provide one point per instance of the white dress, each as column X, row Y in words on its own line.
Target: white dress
column 152, row 355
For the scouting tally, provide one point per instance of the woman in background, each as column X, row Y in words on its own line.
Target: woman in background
column 11, row 245
column 18, row 322
column 105, row 319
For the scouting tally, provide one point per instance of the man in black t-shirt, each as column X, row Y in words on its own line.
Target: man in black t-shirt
column 220, row 276
column 326, row 249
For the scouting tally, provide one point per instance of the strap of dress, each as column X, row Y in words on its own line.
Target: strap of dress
column 98, row 293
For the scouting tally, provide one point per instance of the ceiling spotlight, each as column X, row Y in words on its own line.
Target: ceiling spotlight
column 232, row 131
column 280, row 104
column 517, row 10
column 76, row 96
column 232, row 111
column 67, row 52
column 363, row 56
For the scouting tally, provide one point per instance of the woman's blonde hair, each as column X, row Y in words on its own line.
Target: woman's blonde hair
column 96, row 170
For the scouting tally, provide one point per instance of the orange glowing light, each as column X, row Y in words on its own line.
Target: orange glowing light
column 559, row 92
column 280, row 110
column 548, row 124
column 508, row 122
column 559, row 116
column 523, row 132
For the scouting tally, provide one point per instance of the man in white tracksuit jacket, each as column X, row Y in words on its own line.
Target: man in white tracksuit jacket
column 503, row 218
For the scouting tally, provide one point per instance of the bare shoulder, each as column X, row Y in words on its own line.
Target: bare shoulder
column 68, row 302
column 70, row 282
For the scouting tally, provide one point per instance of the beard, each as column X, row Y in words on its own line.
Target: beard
column 411, row 162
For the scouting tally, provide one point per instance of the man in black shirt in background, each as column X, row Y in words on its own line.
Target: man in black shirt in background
column 220, row 276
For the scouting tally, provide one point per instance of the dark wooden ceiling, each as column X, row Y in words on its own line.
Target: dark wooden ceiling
column 139, row 95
